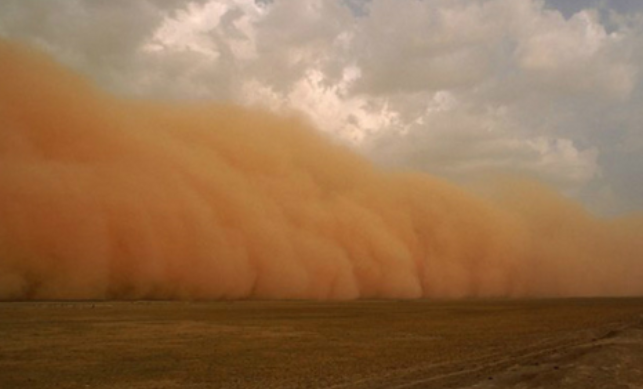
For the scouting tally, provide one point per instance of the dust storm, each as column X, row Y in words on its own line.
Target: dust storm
column 105, row 197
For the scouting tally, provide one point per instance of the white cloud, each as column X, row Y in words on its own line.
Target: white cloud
column 576, row 56
column 454, row 87
column 467, row 144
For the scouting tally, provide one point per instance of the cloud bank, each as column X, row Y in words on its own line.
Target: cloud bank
column 108, row 197
column 455, row 88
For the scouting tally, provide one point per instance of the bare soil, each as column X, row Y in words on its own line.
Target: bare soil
column 576, row 343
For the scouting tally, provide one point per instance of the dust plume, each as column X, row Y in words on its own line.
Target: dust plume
column 104, row 197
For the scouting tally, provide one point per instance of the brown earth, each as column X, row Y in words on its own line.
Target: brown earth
column 577, row 343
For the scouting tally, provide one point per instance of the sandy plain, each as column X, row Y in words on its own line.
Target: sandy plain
column 573, row 343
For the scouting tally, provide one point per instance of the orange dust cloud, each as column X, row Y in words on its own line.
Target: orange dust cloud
column 104, row 197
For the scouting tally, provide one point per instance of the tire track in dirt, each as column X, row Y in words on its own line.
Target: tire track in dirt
column 470, row 371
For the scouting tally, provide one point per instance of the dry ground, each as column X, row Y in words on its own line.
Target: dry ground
column 585, row 343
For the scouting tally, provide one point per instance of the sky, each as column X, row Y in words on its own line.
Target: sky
column 462, row 89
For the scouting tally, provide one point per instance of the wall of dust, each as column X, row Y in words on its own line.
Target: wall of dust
column 102, row 197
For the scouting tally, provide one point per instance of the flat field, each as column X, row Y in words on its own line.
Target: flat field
column 574, row 343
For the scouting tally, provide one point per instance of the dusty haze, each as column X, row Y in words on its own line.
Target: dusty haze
column 102, row 197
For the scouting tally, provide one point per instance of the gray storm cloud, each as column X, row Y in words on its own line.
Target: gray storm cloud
column 107, row 197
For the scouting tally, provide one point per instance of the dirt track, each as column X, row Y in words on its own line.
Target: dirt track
column 595, row 343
